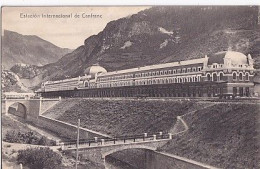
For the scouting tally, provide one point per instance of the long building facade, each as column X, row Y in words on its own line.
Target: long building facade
column 225, row 73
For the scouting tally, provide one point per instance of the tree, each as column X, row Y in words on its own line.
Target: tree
column 39, row 158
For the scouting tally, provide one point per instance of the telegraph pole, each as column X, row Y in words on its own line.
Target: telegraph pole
column 77, row 146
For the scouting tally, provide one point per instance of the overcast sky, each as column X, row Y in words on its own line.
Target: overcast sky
column 63, row 32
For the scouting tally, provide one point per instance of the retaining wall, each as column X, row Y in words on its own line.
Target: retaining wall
column 155, row 160
column 65, row 129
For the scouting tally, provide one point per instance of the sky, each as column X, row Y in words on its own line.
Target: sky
column 64, row 32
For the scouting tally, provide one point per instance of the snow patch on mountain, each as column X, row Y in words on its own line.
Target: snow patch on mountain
column 162, row 30
column 127, row 44
column 165, row 43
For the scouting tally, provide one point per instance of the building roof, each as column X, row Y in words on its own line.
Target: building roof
column 236, row 58
column 157, row 66
column 92, row 70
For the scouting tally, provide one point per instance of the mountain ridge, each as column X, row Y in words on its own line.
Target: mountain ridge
column 163, row 34
column 28, row 49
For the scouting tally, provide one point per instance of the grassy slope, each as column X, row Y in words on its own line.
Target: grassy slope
column 224, row 135
column 122, row 117
column 9, row 124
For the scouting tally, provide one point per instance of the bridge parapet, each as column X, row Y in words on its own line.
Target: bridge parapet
column 107, row 141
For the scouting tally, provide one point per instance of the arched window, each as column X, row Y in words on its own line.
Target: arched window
column 208, row 77
column 221, row 76
column 240, row 76
column 215, row 78
column 247, row 77
column 234, row 76
column 195, row 79
column 180, row 80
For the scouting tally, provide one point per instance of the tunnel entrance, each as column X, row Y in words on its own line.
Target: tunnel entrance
column 17, row 109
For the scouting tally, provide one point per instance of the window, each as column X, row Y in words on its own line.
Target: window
column 240, row 76
column 208, row 77
column 199, row 69
column 157, row 73
column 221, row 76
column 161, row 72
column 215, row 78
column 247, row 77
column 234, row 76
column 174, row 71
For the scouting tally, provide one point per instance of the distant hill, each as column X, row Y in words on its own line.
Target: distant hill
column 23, row 54
column 28, row 49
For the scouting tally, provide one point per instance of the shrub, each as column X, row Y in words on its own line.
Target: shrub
column 27, row 138
column 39, row 158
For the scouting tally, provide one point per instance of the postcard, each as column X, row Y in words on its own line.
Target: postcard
column 140, row 87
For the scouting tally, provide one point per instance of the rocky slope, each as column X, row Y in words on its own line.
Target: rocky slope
column 11, row 82
column 28, row 49
column 163, row 34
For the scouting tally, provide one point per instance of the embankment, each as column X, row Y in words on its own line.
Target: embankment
column 224, row 135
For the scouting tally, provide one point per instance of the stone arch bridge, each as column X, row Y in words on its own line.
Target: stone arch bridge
column 98, row 153
column 31, row 108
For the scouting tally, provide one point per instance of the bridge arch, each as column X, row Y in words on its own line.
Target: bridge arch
column 104, row 154
column 18, row 109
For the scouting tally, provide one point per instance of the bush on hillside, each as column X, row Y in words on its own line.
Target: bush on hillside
column 39, row 158
column 29, row 137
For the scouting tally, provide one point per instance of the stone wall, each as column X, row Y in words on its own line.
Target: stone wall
column 155, row 160
column 47, row 104
column 66, row 130
column 149, row 159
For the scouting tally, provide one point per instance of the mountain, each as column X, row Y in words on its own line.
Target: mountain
column 163, row 34
column 28, row 49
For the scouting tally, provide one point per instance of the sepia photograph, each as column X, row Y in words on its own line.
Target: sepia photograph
column 130, row 87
